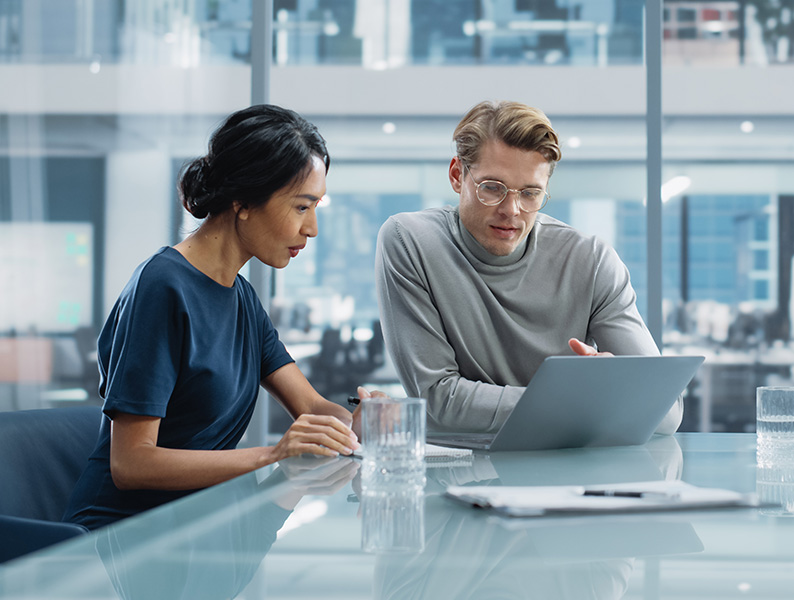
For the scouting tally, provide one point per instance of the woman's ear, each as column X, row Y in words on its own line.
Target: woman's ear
column 240, row 210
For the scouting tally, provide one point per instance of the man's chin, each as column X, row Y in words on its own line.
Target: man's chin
column 500, row 248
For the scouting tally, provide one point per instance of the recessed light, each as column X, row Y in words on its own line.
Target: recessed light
column 675, row 186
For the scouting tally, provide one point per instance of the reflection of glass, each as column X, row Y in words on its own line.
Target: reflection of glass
column 393, row 522
column 393, row 444
column 775, row 485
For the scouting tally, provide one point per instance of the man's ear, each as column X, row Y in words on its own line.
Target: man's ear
column 456, row 174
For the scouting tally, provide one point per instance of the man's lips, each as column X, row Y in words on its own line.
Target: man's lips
column 504, row 231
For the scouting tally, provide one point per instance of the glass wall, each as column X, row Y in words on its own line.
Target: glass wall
column 388, row 105
column 727, row 237
column 103, row 100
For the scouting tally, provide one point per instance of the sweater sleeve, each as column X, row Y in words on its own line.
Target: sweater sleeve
column 414, row 332
column 616, row 325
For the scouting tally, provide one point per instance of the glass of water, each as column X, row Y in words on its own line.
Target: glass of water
column 393, row 444
column 775, row 449
column 775, row 423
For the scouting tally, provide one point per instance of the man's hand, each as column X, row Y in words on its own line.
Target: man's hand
column 363, row 393
column 583, row 349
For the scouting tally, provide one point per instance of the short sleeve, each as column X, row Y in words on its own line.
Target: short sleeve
column 274, row 354
column 139, row 349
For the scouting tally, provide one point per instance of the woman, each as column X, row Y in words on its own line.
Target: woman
column 188, row 343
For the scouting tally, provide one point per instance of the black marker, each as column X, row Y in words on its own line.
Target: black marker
column 353, row 400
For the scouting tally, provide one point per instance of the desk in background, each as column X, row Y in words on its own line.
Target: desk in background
column 293, row 531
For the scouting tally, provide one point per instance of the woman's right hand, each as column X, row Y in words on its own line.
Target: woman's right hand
column 316, row 434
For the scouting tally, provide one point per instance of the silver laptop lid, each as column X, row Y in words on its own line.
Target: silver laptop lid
column 581, row 401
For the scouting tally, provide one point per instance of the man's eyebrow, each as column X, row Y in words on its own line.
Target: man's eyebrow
column 523, row 187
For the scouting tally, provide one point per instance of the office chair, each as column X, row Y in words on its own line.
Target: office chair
column 42, row 454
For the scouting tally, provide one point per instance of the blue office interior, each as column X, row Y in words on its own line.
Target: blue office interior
column 105, row 155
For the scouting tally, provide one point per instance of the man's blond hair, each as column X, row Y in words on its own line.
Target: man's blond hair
column 513, row 123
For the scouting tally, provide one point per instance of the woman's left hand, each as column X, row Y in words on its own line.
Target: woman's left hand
column 324, row 435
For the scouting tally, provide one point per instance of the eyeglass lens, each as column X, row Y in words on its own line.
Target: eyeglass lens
column 492, row 193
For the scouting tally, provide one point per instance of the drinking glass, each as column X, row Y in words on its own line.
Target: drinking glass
column 393, row 444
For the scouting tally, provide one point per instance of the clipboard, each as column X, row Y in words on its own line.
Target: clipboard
column 647, row 496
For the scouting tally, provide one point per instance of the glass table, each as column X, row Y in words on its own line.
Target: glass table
column 303, row 529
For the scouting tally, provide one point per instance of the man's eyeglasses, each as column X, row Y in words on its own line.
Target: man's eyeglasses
column 491, row 193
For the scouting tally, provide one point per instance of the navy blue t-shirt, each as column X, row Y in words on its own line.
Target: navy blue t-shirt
column 179, row 346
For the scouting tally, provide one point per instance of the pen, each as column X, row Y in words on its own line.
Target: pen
column 626, row 494
column 353, row 400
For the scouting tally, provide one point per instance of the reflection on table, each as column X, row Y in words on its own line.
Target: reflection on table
column 299, row 530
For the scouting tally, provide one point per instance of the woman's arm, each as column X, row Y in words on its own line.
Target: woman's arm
column 294, row 392
column 137, row 462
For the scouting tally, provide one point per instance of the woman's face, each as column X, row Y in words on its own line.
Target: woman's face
column 276, row 231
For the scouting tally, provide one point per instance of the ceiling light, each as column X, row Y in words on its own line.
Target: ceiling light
column 675, row 186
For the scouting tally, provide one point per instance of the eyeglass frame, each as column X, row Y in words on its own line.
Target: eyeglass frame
column 477, row 184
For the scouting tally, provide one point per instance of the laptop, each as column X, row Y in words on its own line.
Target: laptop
column 585, row 401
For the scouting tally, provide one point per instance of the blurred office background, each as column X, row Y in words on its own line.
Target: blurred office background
column 101, row 101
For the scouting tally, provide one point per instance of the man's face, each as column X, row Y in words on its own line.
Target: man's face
column 501, row 228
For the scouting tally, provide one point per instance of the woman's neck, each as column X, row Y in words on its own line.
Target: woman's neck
column 214, row 249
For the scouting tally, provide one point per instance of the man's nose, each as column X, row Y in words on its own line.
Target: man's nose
column 510, row 203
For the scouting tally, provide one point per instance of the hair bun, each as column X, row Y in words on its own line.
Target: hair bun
column 194, row 190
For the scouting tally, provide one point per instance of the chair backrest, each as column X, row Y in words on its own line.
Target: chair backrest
column 42, row 454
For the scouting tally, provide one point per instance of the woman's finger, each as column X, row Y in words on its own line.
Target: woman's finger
column 324, row 432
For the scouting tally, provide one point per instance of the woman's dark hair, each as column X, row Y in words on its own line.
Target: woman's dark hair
column 253, row 154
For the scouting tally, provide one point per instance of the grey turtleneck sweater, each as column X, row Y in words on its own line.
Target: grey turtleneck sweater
column 467, row 330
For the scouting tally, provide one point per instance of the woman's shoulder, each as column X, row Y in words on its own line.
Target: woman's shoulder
column 158, row 269
column 160, row 275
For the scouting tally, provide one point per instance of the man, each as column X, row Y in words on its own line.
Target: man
column 473, row 298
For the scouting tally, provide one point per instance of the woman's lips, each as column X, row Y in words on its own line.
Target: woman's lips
column 293, row 251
